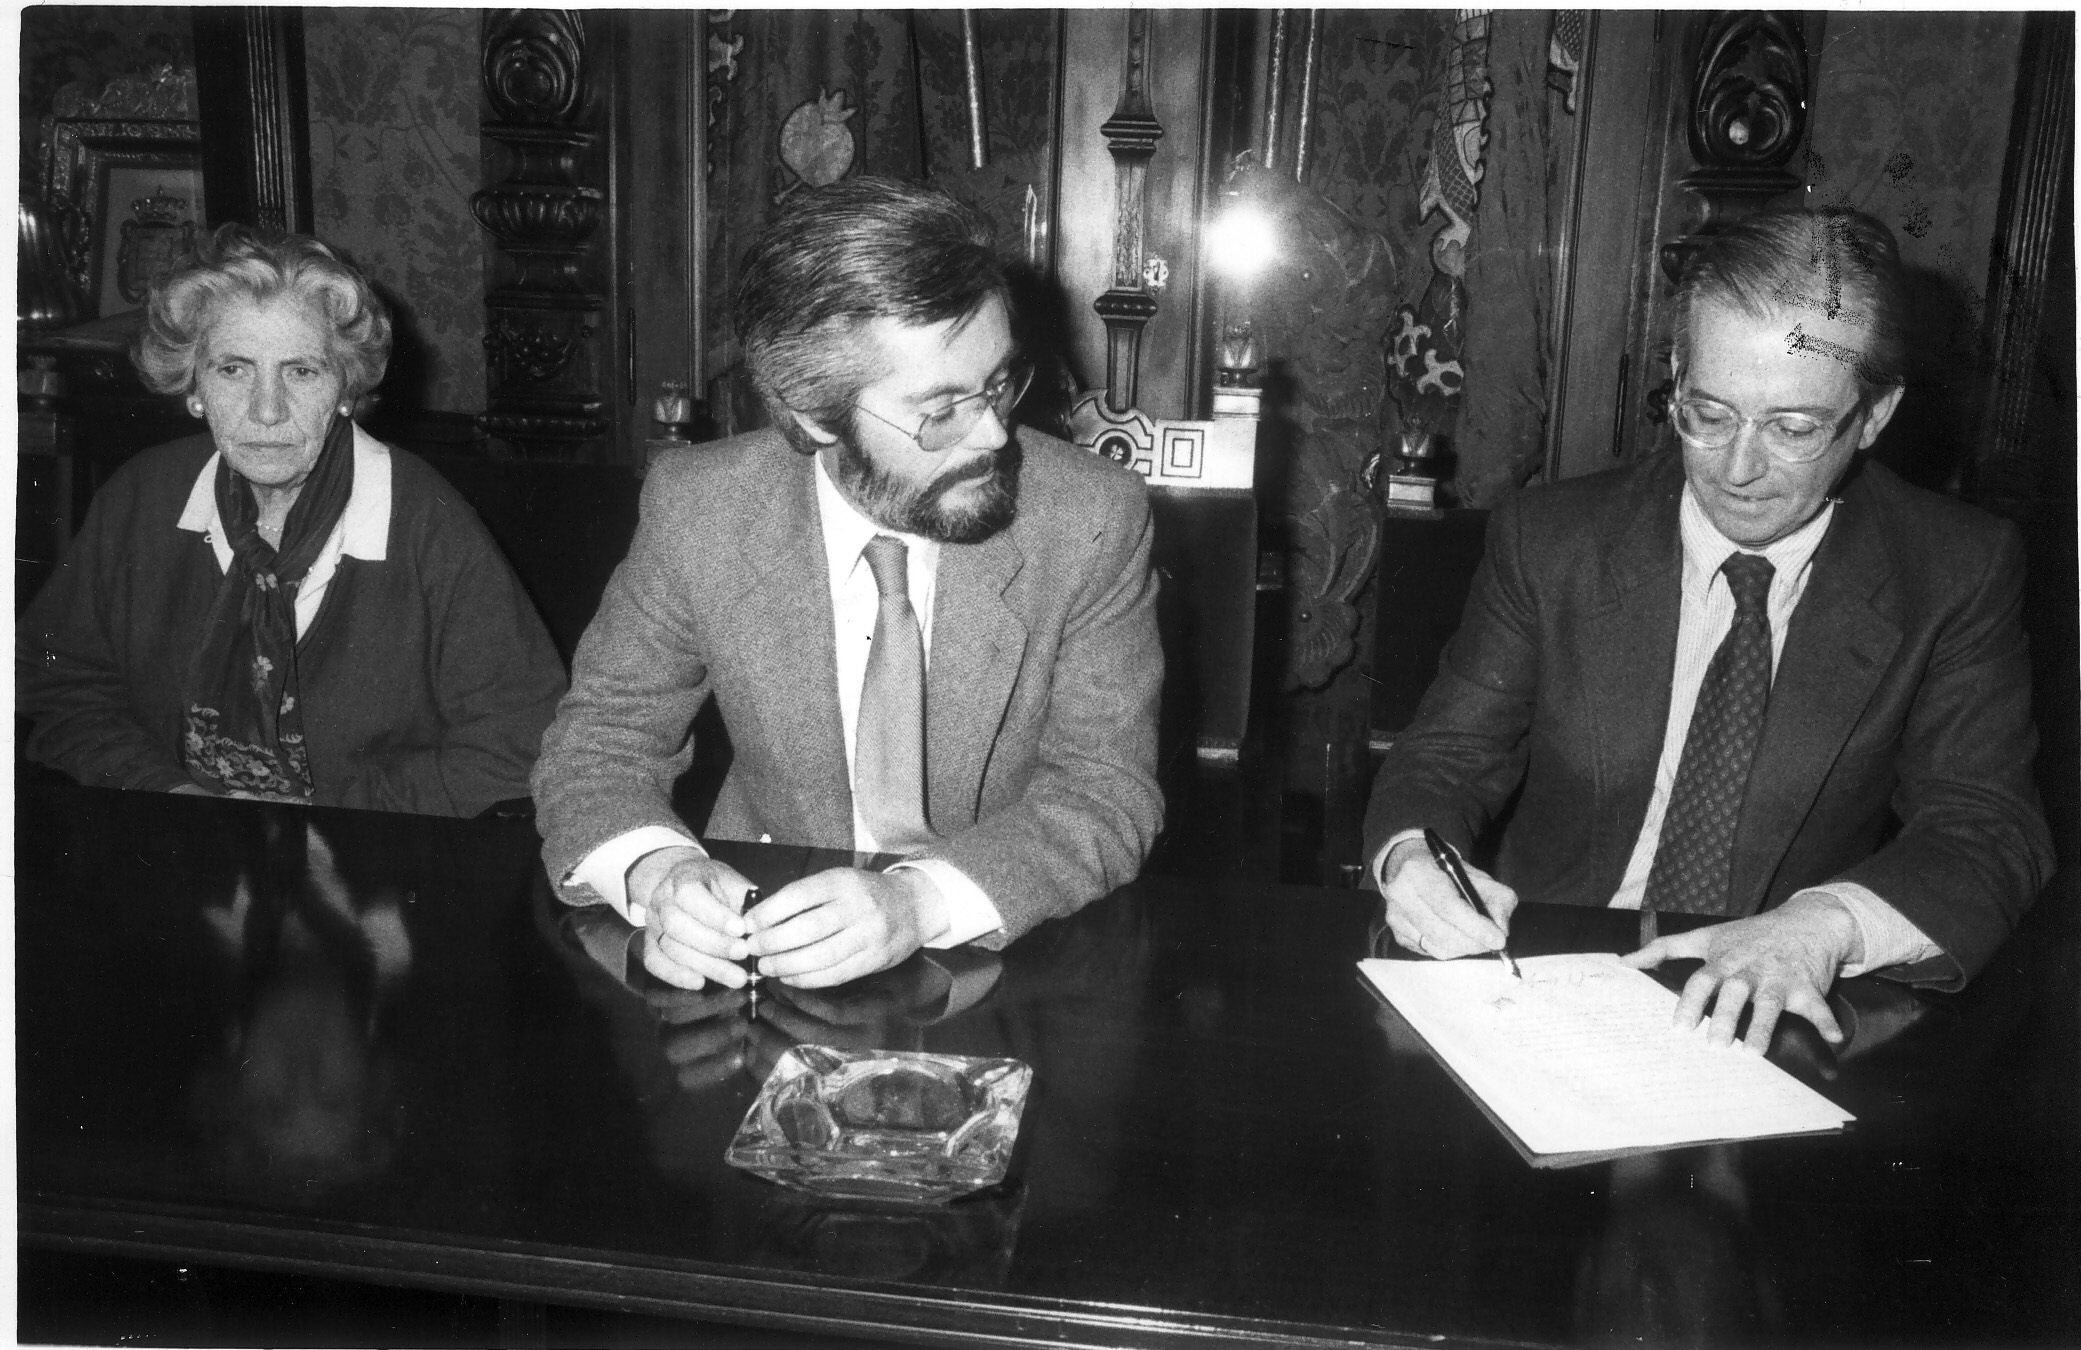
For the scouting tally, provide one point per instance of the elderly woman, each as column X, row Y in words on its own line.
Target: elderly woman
column 283, row 608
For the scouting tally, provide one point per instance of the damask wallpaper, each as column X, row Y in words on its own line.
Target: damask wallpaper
column 1911, row 124
column 1373, row 112
column 394, row 158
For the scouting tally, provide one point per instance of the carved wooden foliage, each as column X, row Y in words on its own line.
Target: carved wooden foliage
column 1749, row 95
column 534, row 65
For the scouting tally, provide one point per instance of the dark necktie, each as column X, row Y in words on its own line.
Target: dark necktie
column 1694, row 861
column 889, row 741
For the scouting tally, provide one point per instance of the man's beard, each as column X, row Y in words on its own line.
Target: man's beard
column 992, row 495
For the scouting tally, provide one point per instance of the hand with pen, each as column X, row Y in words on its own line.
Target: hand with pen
column 708, row 925
column 1426, row 910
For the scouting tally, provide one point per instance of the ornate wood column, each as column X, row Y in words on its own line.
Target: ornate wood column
column 1131, row 134
column 546, row 336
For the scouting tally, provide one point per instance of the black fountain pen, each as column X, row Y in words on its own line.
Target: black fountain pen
column 751, row 963
column 1448, row 860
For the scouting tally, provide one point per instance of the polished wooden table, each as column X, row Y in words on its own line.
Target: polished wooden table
column 373, row 1047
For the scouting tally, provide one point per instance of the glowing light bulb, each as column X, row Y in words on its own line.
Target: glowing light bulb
column 1242, row 241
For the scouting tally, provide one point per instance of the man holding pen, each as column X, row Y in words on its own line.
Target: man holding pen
column 1767, row 681
column 929, row 632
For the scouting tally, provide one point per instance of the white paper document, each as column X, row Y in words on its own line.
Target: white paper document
column 1579, row 1056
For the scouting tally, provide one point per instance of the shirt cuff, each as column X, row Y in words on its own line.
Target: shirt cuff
column 1379, row 864
column 605, row 870
column 969, row 913
column 1887, row 937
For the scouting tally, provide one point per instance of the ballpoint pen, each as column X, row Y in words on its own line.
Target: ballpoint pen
column 1448, row 860
column 751, row 963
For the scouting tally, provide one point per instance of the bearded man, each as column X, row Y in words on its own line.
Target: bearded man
column 928, row 632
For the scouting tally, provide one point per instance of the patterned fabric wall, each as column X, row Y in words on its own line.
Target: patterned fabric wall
column 1372, row 116
column 1911, row 124
column 1381, row 81
column 394, row 158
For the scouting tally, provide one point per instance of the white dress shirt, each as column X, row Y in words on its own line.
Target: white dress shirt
column 855, row 601
column 1706, row 614
column 363, row 529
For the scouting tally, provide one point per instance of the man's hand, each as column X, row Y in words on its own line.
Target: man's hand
column 1426, row 914
column 694, row 933
column 841, row 924
column 1781, row 961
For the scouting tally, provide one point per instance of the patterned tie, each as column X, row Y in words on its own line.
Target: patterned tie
column 889, row 742
column 1694, row 862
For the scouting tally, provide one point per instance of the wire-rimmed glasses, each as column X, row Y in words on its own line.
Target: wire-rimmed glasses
column 939, row 432
column 1792, row 437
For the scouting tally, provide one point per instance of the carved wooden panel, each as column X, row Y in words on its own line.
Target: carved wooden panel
column 547, row 341
column 1750, row 88
column 1131, row 189
column 1131, row 134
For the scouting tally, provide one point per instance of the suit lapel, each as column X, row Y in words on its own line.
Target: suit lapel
column 1628, row 651
column 1841, row 640
column 978, row 646
column 786, row 645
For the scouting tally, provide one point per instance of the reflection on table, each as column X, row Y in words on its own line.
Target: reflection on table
column 376, row 1046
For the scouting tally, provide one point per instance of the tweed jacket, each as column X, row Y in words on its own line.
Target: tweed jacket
column 1041, row 696
column 1896, row 747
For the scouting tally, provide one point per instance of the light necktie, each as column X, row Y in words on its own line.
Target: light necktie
column 1694, row 861
column 889, row 740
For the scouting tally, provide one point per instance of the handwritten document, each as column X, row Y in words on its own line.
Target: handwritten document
column 1579, row 1057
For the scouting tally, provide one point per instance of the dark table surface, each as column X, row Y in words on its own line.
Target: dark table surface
column 374, row 1047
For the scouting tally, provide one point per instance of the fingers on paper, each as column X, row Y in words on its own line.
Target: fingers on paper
column 1745, row 970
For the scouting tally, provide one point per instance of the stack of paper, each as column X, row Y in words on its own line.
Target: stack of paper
column 1579, row 1060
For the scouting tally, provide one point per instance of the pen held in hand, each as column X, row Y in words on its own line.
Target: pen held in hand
column 1448, row 860
column 751, row 963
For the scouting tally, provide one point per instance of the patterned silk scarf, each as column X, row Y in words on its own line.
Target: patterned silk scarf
column 243, row 730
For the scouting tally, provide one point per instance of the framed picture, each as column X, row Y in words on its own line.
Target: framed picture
column 146, row 204
column 133, row 194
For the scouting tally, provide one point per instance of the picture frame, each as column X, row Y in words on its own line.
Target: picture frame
column 132, row 194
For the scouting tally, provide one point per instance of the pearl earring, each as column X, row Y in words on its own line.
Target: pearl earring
column 195, row 407
column 346, row 408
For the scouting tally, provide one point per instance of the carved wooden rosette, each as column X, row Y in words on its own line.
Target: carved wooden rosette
column 1749, row 94
column 545, row 316
column 1131, row 135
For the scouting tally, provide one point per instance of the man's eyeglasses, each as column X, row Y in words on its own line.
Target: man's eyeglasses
column 939, row 432
column 1792, row 437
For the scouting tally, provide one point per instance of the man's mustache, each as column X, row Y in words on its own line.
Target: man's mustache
column 989, row 465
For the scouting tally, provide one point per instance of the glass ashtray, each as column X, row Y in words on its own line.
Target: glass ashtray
column 883, row 1124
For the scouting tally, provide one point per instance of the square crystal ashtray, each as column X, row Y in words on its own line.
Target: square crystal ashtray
column 882, row 1124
